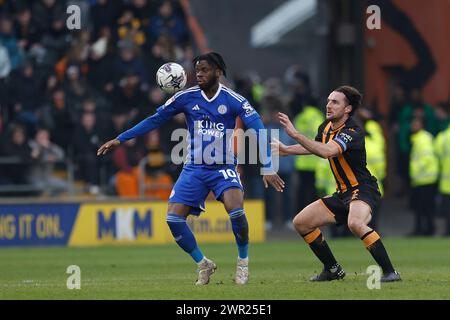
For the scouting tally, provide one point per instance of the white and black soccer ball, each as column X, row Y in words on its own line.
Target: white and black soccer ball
column 171, row 77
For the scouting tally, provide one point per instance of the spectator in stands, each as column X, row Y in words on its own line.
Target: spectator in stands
column 45, row 155
column 9, row 41
column 119, row 122
column 77, row 56
column 129, row 62
column 299, row 86
column 129, row 98
column 168, row 22
column 50, row 19
column 158, row 182
column 154, row 58
column 16, row 145
column 60, row 118
column 116, row 123
column 6, row 6
column 155, row 98
column 186, row 62
column 244, row 85
column 86, row 140
column 75, row 87
column 170, row 49
column 143, row 10
column 442, row 117
column 5, row 69
column 46, row 15
column 130, row 27
column 26, row 95
column 25, row 31
column 126, row 159
column 398, row 102
column 102, row 116
column 101, row 62
column 66, row 74
column 104, row 13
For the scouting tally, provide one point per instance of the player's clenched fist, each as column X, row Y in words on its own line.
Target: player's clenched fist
column 108, row 146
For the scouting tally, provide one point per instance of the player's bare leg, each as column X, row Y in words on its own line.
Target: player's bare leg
column 307, row 224
column 176, row 219
column 233, row 200
column 358, row 218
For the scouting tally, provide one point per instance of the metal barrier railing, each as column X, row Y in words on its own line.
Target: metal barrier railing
column 29, row 187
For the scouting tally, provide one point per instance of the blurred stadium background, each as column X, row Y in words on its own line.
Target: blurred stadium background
column 64, row 92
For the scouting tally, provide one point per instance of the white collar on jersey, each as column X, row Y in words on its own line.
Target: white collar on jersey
column 215, row 96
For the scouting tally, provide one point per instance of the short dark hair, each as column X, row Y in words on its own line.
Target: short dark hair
column 212, row 58
column 353, row 96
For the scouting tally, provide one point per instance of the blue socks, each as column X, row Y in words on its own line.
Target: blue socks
column 239, row 225
column 183, row 236
column 186, row 240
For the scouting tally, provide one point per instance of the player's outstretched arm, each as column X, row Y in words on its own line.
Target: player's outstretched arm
column 163, row 113
column 324, row 150
column 279, row 148
column 108, row 146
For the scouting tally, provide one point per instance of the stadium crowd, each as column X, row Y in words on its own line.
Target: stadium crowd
column 84, row 86
column 63, row 93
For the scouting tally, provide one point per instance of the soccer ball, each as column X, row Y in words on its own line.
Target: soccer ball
column 171, row 77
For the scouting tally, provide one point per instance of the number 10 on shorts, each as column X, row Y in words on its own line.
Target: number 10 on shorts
column 229, row 173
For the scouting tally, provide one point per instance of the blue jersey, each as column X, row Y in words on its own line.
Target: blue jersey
column 210, row 124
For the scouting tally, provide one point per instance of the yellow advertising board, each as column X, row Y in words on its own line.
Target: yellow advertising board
column 115, row 223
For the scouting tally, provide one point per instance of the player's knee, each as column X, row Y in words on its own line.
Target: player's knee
column 297, row 221
column 300, row 223
column 355, row 225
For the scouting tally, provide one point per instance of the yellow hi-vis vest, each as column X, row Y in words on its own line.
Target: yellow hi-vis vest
column 307, row 122
column 442, row 149
column 325, row 182
column 423, row 167
column 375, row 151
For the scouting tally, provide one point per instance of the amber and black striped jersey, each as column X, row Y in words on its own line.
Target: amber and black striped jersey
column 349, row 167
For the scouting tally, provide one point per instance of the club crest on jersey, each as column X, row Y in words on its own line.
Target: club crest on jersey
column 222, row 109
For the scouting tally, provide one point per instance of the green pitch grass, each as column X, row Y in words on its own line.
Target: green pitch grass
column 278, row 270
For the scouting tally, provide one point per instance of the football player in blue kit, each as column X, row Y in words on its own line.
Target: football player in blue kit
column 210, row 110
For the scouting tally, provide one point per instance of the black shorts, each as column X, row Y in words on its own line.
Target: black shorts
column 339, row 203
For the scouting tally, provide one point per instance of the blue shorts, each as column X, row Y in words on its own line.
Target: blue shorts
column 195, row 183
